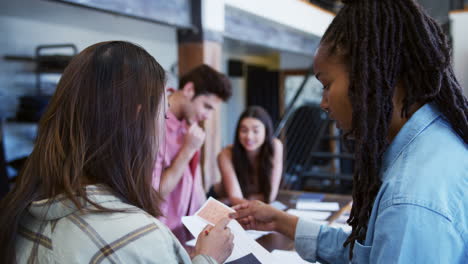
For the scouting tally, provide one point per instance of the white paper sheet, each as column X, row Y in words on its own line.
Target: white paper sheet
column 243, row 243
column 194, row 224
column 254, row 234
column 290, row 257
column 191, row 243
column 316, row 215
column 320, row 206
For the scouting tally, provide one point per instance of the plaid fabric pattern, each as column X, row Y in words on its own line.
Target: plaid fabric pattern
column 54, row 231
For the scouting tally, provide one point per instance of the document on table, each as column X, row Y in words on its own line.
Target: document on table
column 254, row 234
column 284, row 256
column 246, row 249
column 316, row 215
column 317, row 197
column 278, row 205
column 247, row 259
column 320, row 206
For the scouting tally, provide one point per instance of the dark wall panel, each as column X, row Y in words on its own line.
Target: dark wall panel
column 263, row 90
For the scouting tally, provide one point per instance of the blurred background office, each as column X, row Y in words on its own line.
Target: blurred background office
column 264, row 46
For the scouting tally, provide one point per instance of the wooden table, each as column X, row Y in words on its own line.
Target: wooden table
column 275, row 240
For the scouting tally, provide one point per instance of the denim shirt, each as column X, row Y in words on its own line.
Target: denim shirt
column 420, row 214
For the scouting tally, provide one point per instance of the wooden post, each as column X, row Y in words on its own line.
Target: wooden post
column 203, row 46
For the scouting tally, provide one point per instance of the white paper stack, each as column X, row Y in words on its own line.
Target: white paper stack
column 318, row 206
column 290, row 257
column 315, row 215
column 254, row 234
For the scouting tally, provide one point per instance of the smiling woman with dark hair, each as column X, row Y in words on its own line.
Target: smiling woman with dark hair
column 85, row 194
column 251, row 168
column 388, row 82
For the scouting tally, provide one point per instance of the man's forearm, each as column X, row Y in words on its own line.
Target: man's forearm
column 171, row 176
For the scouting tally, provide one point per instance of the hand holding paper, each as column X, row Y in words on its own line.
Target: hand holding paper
column 256, row 215
column 216, row 241
column 245, row 248
column 260, row 216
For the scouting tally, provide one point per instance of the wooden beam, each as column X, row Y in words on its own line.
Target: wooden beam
column 245, row 27
column 190, row 56
column 196, row 47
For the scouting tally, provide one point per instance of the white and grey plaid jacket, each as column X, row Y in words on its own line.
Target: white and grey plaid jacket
column 66, row 235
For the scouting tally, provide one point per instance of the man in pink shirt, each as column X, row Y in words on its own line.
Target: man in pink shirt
column 177, row 174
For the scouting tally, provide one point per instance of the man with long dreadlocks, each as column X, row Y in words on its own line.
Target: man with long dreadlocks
column 389, row 84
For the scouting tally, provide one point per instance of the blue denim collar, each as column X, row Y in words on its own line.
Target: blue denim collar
column 418, row 122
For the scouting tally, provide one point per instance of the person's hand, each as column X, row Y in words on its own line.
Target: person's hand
column 260, row 216
column 194, row 138
column 256, row 215
column 216, row 242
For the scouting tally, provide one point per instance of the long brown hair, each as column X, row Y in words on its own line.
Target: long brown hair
column 100, row 127
column 243, row 167
column 385, row 42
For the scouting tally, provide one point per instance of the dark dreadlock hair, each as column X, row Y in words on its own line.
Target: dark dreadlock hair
column 385, row 42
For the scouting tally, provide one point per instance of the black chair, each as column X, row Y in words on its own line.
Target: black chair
column 309, row 156
column 4, row 182
column 303, row 135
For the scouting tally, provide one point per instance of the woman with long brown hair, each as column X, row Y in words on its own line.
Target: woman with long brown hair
column 251, row 168
column 388, row 82
column 85, row 193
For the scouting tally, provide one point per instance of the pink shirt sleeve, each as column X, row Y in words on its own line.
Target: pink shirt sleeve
column 160, row 164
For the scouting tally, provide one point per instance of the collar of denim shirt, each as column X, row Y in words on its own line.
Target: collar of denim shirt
column 418, row 122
